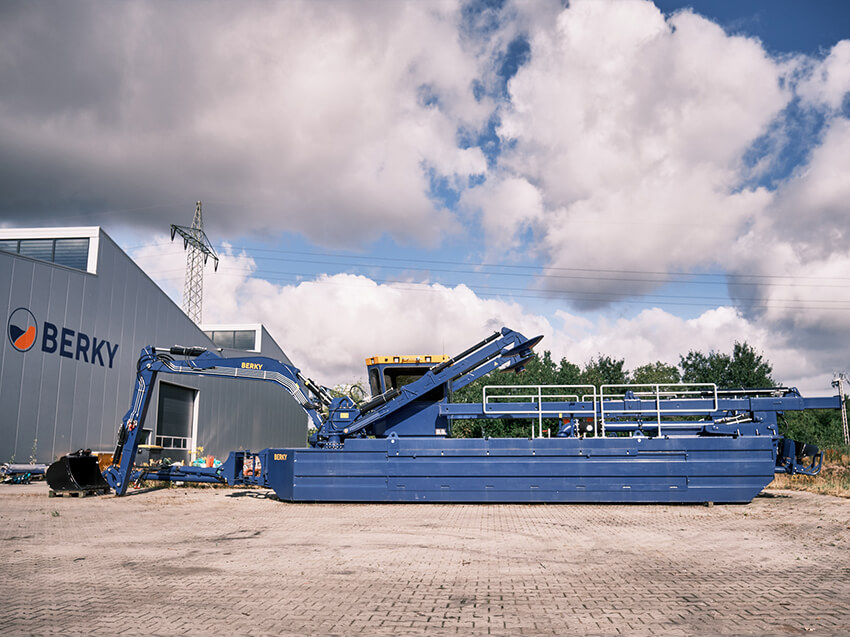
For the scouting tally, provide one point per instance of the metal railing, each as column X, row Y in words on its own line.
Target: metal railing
column 548, row 401
column 537, row 400
column 633, row 395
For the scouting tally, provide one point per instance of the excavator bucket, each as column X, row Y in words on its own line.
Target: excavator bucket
column 78, row 474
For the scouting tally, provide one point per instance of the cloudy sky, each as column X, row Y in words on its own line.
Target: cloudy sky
column 625, row 178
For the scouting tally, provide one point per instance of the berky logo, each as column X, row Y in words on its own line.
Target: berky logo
column 22, row 329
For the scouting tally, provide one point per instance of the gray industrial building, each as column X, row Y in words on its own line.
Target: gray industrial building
column 78, row 311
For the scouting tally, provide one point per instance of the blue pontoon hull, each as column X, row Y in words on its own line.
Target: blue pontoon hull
column 685, row 469
column 656, row 443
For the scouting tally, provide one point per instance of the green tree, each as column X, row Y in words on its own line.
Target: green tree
column 567, row 373
column 749, row 368
column 540, row 370
column 656, row 373
column 700, row 368
column 821, row 427
column 604, row 370
column 743, row 368
column 354, row 390
column 746, row 368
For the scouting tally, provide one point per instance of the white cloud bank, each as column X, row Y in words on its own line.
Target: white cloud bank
column 632, row 129
column 624, row 145
column 633, row 136
column 625, row 141
column 328, row 119
column 329, row 325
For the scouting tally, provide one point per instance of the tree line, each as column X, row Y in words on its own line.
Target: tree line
column 743, row 367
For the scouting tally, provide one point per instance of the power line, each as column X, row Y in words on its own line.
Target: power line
column 536, row 268
column 538, row 275
column 574, row 295
column 530, row 267
column 541, row 273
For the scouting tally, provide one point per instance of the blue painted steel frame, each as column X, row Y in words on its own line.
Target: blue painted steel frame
column 622, row 470
column 153, row 361
column 728, row 455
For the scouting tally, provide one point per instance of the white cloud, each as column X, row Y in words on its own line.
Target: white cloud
column 633, row 133
column 506, row 208
column 321, row 118
column 625, row 146
column 655, row 334
column 164, row 261
column 329, row 325
column 812, row 208
column 799, row 252
column 828, row 81
column 633, row 129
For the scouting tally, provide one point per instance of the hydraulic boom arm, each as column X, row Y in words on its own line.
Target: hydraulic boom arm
column 398, row 411
column 200, row 362
column 393, row 411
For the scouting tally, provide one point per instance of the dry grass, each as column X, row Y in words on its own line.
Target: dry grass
column 834, row 478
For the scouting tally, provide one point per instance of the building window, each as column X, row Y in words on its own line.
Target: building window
column 37, row 249
column 243, row 339
column 234, row 339
column 72, row 253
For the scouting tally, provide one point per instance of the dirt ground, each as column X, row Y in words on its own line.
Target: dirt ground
column 205, row 561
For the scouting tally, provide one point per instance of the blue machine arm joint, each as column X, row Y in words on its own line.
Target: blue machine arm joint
column 791, row 458
column 506, row 350
column 198, row 362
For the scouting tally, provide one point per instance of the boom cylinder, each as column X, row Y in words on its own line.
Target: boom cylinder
column 379, row 400
column 318, row 390
column 466, row 353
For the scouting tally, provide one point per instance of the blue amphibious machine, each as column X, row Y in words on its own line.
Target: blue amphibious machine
column 618, row 443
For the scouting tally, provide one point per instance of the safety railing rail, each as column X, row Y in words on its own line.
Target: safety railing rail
column 538, row 400
column 649, row 404
column 663, row 397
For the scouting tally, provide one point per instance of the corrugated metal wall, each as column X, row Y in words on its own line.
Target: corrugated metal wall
column 57, row 404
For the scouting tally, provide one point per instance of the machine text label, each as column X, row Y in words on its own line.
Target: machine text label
column 77, row 345
column 23, row 331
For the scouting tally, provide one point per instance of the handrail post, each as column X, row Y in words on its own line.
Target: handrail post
column 540, row 410
column 602, row 409
column 658, row 407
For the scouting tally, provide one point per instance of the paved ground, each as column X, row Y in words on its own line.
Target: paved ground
column 204, row 561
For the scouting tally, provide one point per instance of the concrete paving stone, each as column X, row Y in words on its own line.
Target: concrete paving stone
column 213, row 561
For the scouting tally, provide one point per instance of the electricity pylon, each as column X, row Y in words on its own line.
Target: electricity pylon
column 199, row 249
column 838, row 383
